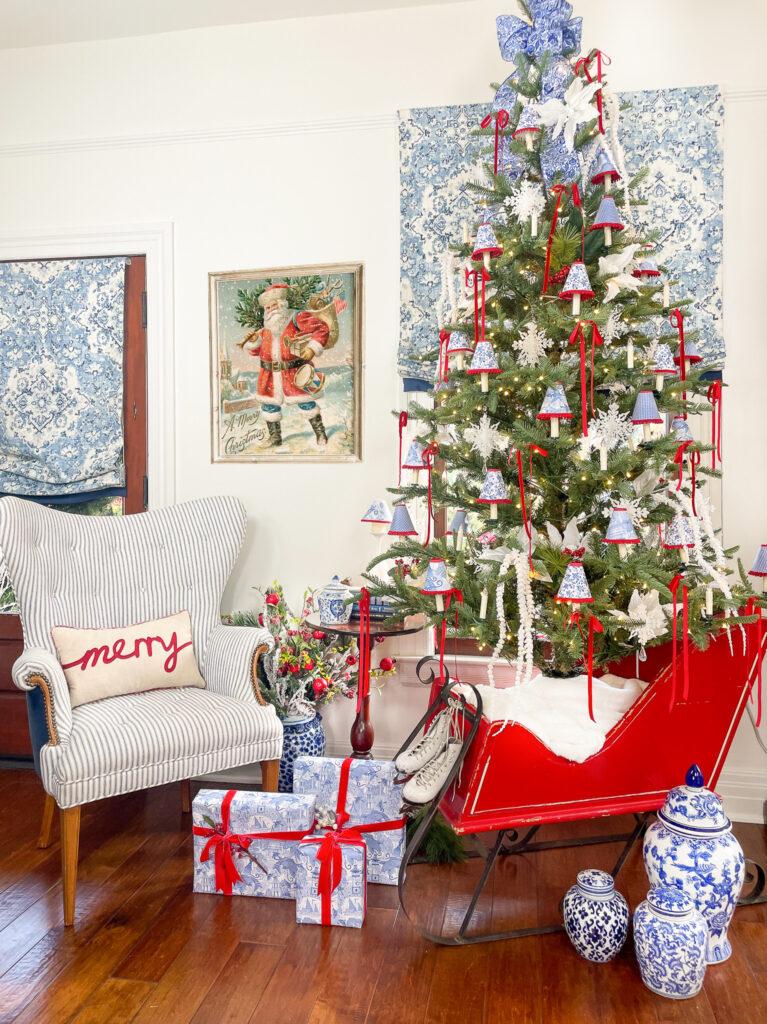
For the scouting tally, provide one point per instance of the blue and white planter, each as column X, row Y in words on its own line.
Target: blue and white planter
column 301, row 736
column 670, row 938
column 691, row 848
column 596, row 916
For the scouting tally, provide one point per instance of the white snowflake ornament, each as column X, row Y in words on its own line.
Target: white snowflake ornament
column 531, row 345
column 614, row 327
column 527, row 203
column 486, row 437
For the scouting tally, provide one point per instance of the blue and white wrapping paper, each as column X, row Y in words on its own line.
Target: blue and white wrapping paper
column 377, row 512
column 494, row 488
column 483, row 360
column 437, row 580
column 486, row 242
column 664, row 360
column 402, row 524
column 759, row 568
column 678, row 533
column 574, row 586
column 577, row 282
column 555, row 403
column 608, row 215
column 348, row 901
column 414, row 457
column 254, row 812
column 604, row 165
column 646, row 409
column 620, row 529
column 372, row 797
column 681, row 429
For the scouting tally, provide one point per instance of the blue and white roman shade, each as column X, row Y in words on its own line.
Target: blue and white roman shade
column 61, row 376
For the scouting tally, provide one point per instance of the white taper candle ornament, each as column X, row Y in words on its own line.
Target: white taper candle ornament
column 630, row 354
column 483, row 604
column 709, row 601
column 576, row 305
column 466, row 235
column 603, row 457
column 666, row 295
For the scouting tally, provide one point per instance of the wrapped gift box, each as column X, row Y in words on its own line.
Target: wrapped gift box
column 371, row 797
column 226, row 856
column 340, row 897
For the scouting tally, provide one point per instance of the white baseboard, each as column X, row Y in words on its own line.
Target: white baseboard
column 744, row 791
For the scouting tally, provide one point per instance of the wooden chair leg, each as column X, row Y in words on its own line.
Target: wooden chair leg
column 70, row 842
column 186, row 796
column 270, row 771
column 44, row 839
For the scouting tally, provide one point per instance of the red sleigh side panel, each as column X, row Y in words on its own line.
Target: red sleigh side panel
column 510, row 778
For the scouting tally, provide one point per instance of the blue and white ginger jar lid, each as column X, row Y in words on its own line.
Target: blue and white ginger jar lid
column 693, row 809
column 669, row 900
column 596, row 883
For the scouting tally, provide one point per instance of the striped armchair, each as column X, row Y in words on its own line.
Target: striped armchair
column 106, row 572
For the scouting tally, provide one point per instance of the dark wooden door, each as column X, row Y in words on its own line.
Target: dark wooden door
column 14, row 734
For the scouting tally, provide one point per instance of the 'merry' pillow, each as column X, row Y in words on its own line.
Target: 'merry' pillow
column 102, row 663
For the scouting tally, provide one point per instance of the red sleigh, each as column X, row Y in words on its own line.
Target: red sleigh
column 508, row 780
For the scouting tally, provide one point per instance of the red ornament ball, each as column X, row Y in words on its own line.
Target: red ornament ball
column 320, row 686
column 272, row 598
column 318, row 634
column 294, row 669
column 351, row 660
column 386, row 664
column 380, row 639
column 308, row 664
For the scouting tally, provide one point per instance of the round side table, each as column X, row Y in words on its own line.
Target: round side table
column 361, row 735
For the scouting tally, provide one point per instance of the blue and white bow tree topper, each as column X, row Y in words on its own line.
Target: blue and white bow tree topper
column 554, row 31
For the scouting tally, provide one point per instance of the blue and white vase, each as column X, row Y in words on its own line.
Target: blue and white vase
column 301, row 736
column 596, row 916
column 670, row 939
column 691, row 847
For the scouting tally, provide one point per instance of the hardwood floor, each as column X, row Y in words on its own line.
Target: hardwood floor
column 144, row 948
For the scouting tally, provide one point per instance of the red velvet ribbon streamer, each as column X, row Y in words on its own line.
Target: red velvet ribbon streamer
column 222, row 843
column 579, row 335
column 534, row 449
column 754, row 608
column 594, row 626
column 444, row 359
column 330, row 852
column 560, row 191
column 674, row 586
column 442, row 636
column 501, row 122
column 694, row 456
column 714, row 396
column 480, row 276
column 429, row 454
column 584, row 64
column 363, row 668
column 676, row 319
column 402, row 425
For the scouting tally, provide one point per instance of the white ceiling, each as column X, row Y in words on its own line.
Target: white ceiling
column 45, row 22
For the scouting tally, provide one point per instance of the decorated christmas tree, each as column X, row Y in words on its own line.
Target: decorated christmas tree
column 558, row 444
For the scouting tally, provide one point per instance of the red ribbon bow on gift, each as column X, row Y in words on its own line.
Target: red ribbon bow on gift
column 534, row 449
column 560, row 191
column 222, row 844
column 430, row 452
column 579, row 335
column 682, row 452
column 674, row 585
column 714, row 396
column 501, row 122
column 583, row 64
column 330, row 852
column 594, row 626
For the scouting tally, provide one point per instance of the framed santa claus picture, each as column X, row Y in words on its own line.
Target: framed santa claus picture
column 286, row 364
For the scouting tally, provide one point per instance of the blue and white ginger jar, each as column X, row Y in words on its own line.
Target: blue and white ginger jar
column 596, row 916
column 691, row 847
column 670, row 938
column 332, row 603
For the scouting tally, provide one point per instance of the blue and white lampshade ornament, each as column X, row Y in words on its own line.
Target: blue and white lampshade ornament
column 604, row 172
column 555, row 408
column 663, row 365
column 670, row 938
column 759, row 568
column 494, row 492
column 620, row 530
column 529, row 125
column 691, row 355
column 402, row 524
column 458, row 348
column 577, row 286
column 459, row 527
column 608, row 218
column 483, row 363
column 646, row 412
column 414, row 458
column 646, row 269
column 486, row 245
column 379, row 516
column 691, row 848
column 574, row 588
column 681, row 429
column 678, row 536
column 437, row 582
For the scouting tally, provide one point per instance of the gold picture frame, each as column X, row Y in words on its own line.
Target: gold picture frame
column 286, row 359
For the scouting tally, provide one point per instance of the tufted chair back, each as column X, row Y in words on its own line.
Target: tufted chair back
column 92, row 571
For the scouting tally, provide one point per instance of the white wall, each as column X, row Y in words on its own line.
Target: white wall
column 276, row 144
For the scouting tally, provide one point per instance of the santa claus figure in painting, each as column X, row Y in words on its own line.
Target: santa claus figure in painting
column 286, row 346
